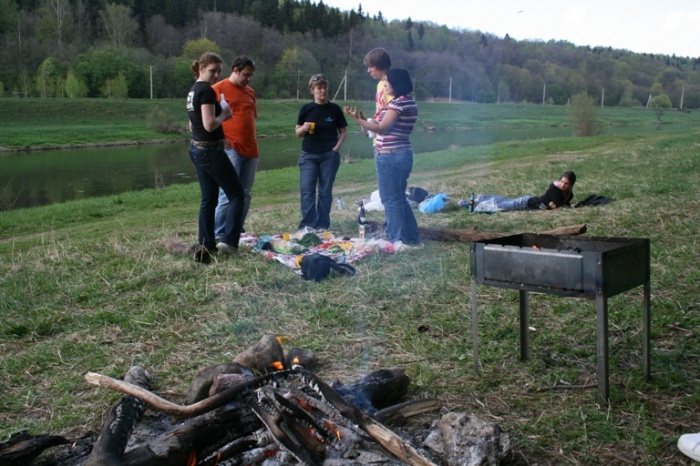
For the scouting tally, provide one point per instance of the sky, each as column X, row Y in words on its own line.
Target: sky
column 644, row 26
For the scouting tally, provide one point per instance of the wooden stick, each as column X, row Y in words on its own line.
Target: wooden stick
column 175, row 409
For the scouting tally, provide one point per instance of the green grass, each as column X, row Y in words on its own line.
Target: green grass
column 48, row 123
column 87, row 286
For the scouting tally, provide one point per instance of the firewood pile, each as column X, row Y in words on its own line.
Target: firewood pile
column 267, row 409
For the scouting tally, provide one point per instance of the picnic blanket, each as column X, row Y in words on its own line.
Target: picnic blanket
column 288, row 249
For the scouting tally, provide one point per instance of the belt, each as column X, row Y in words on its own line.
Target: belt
column 392, row 151
column 207, row 144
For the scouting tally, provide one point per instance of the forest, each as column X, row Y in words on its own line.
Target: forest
column 144, row 49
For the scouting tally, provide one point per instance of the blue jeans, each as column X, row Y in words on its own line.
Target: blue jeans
column 504, row 203
column 393, row 171
column 246, row 167
column 214, row 171
column 317, row 171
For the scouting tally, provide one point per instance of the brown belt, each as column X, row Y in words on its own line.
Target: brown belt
column 207, row 144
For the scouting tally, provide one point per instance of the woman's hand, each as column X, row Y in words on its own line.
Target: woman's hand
column 354, row 113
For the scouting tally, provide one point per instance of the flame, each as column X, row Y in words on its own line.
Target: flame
column 277, row 365
column 332, row 427
column 192, row 459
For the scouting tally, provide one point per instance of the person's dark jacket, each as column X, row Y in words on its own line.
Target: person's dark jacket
column 553, row 194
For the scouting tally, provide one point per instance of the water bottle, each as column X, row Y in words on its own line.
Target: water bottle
column 472, row 204
column 341, row 204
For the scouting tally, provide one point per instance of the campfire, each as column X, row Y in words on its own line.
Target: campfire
column 266, row 409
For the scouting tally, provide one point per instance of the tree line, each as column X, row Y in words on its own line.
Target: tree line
column 143, row 49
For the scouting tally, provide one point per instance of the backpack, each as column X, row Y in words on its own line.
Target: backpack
column 593, row 199
column 317, row 267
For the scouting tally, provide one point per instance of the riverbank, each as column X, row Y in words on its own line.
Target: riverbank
column 34, row 124
column 87, row 286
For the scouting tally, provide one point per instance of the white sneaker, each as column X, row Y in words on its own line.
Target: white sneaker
column 226, row 249
column 689, row 445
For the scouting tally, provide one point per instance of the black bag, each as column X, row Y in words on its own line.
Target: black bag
column 317, row 267
column 593, row 199
column 415, row 195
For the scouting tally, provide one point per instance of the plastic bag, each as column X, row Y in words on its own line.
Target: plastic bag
column 488, row 206
column 433, row 204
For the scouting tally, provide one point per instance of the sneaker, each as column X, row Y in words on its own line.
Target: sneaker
column 689, row 445
column 200, row 253
column 227, row 249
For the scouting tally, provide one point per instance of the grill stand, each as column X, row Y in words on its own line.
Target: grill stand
column 601, row 301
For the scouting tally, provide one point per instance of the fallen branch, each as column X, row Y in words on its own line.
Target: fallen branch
column 466, row 236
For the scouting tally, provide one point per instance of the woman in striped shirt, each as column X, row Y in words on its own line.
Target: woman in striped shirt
column 394, row 155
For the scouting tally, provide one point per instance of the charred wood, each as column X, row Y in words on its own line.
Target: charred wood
column 120, row 423
column 23, row 448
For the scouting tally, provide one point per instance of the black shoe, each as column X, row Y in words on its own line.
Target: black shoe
column 200, row 254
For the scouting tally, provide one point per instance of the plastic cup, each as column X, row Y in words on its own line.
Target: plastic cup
column 312, row 127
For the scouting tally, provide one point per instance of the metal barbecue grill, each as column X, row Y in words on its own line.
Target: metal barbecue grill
column 592, row 268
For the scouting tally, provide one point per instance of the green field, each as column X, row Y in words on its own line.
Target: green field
column 55, row 123
column 87, row 286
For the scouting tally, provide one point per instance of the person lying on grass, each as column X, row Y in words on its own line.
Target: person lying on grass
column 558, row 194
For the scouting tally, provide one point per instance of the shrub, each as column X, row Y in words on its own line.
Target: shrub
column 583, row 113
column 162, row 120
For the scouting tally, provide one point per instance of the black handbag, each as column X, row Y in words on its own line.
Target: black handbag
column 317, row 267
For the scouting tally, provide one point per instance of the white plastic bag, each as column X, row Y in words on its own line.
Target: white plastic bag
column 488, row 206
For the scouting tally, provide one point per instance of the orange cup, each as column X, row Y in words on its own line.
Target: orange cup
column 312, row 127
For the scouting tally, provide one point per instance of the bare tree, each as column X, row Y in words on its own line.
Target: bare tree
column 119, row 24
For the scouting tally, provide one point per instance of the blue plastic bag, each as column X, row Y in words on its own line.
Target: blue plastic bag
column 433, row 204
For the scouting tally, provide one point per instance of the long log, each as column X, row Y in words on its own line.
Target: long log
column 169, row 407
column 466, row 236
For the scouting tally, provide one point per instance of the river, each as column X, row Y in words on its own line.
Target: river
column 29, row 179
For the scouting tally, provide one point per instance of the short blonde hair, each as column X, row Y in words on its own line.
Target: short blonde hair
column 317, row 80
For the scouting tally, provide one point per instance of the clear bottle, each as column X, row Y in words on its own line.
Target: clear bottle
column 341, row 204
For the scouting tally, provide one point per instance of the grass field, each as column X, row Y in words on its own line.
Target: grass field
column 87, row 286
column 54, row 123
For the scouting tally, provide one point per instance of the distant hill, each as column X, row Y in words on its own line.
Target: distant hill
column 118, row 51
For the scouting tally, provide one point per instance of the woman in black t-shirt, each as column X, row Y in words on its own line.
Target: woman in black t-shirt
column 214, row 169
column 323, row 127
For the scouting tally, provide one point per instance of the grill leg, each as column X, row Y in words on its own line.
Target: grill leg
column 524, row 326
column 646, row 331
column 475, row 329
column 601, row 303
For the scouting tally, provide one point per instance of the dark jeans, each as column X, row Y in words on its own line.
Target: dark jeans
column 214, row 171
column 393, row 171
column 317, row 170
column 246, row 167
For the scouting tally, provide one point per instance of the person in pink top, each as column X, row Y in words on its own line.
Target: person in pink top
column 394, row 155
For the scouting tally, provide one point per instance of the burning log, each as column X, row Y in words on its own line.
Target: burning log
column 279, row 410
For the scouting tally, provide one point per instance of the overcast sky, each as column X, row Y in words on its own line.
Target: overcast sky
column 651, row 26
